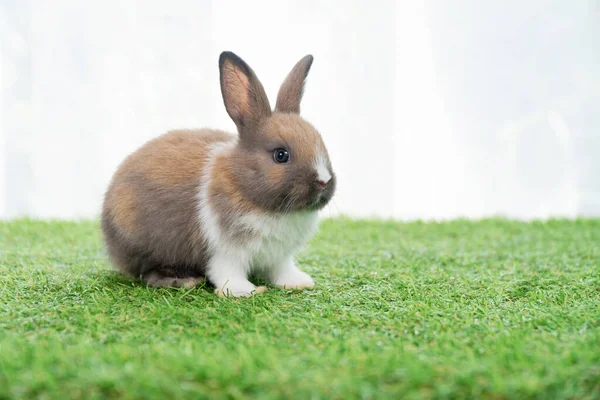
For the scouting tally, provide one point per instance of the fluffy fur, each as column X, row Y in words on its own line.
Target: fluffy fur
column 196, row 204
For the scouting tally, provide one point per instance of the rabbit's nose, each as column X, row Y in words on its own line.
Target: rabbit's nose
column 323, row 176
column 323, row 182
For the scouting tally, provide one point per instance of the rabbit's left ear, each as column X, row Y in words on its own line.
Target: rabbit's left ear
column 243, row 94
column 290, row 93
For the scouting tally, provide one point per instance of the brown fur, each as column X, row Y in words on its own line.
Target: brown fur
column 244, row 96
column 163, row 232
column 122, row 200
column 227, row 200
column 294, row 186
column 150, row 216
column 292, row 130
column 174, row 158
column 290, row 93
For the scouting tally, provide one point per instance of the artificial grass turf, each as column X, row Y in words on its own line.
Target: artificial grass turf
column 490, row 309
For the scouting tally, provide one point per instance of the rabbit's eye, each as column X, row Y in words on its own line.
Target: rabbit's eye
column 281, row 156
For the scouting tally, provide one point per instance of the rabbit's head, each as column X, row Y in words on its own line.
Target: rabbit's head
column 280, row 162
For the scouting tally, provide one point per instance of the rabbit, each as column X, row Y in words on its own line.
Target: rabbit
column 196, row 205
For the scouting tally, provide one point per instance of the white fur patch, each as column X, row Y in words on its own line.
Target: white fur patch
column 279, row 237
column 322, row 169
column 209, row 220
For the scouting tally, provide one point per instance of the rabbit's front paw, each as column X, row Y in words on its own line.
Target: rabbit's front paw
column 239, row 289
column 291, row 277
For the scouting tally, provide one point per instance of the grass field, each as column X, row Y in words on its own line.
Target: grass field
column 490, row 309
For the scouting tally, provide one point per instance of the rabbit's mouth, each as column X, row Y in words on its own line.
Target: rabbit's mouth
column 303, row 197
column 320, row 200
column 316, row 202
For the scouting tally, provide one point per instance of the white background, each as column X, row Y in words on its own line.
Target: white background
column 430, row 109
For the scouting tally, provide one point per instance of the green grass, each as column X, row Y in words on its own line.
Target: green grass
column 491, row 309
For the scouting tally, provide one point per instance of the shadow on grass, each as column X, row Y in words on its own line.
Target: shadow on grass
column 118, row 280
column 115, row 279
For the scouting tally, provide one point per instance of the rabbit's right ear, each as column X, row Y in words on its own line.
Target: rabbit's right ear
column 290, row 93
column 244, row 96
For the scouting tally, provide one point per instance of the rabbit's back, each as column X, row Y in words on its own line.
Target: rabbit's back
column 150, row 211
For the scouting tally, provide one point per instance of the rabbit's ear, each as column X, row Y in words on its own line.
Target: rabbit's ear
column 244, row 96
column 290, row 93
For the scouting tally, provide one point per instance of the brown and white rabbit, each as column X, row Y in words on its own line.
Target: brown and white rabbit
column 203, row 203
